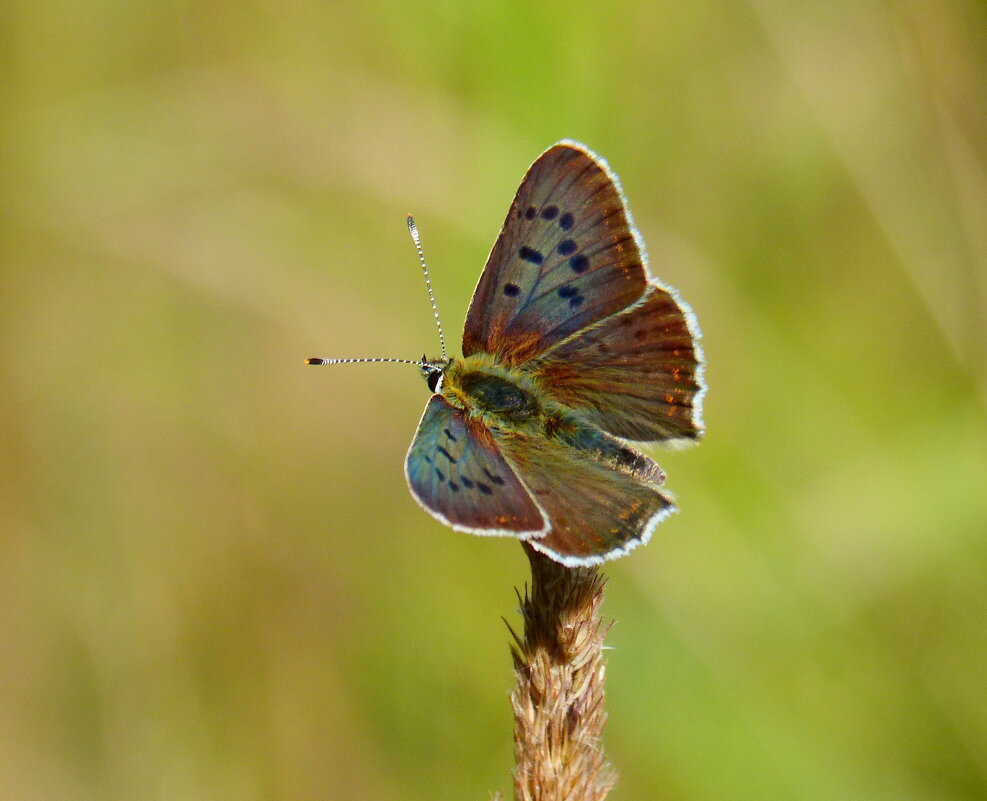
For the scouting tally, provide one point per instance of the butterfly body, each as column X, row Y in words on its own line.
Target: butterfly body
column 512, row 401
column 572, row 352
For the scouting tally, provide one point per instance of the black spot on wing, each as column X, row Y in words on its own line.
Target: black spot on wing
column 511, row 290
column 579, row 263
column 531, row 255
column 566, row 221
column 493, row 477
column 572, row 294
column 549, row 212
column 567, row 247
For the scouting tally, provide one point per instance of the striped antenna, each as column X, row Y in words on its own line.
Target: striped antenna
column 428, row 283
column 366, row 360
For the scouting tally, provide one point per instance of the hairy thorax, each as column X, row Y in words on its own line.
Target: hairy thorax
column 502, row 397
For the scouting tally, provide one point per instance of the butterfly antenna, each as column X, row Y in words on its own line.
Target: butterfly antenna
column 428, row 283
column 363, row 360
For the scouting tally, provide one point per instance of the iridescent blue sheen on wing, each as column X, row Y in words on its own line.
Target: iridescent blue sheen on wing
column 457, row 473
column 566, row 258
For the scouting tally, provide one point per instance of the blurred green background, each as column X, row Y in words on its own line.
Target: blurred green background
column 213, row 581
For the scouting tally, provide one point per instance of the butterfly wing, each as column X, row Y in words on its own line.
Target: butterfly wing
column 566, row 257
column 598, row 509
column 636, row 374
column 457, row 473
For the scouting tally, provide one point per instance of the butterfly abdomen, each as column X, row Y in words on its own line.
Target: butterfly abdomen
column 613, row 452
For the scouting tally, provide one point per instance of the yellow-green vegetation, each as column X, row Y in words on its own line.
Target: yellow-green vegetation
column 214, row 583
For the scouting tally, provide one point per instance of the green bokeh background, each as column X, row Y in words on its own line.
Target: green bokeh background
column 213, row 581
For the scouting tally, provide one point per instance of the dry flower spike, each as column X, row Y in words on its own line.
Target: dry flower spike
column 558, row 700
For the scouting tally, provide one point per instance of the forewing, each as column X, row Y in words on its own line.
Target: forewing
column 457, row 473
column 566, row 257
column 596, row 511
column 636, row 374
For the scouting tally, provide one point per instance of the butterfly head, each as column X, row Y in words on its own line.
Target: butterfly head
column 433, row 371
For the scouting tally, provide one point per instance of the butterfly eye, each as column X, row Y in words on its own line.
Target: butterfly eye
column 432, row 379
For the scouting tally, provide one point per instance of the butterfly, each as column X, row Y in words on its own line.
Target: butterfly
column 571, row 353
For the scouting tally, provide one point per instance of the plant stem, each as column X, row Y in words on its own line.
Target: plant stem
column 558, row 701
